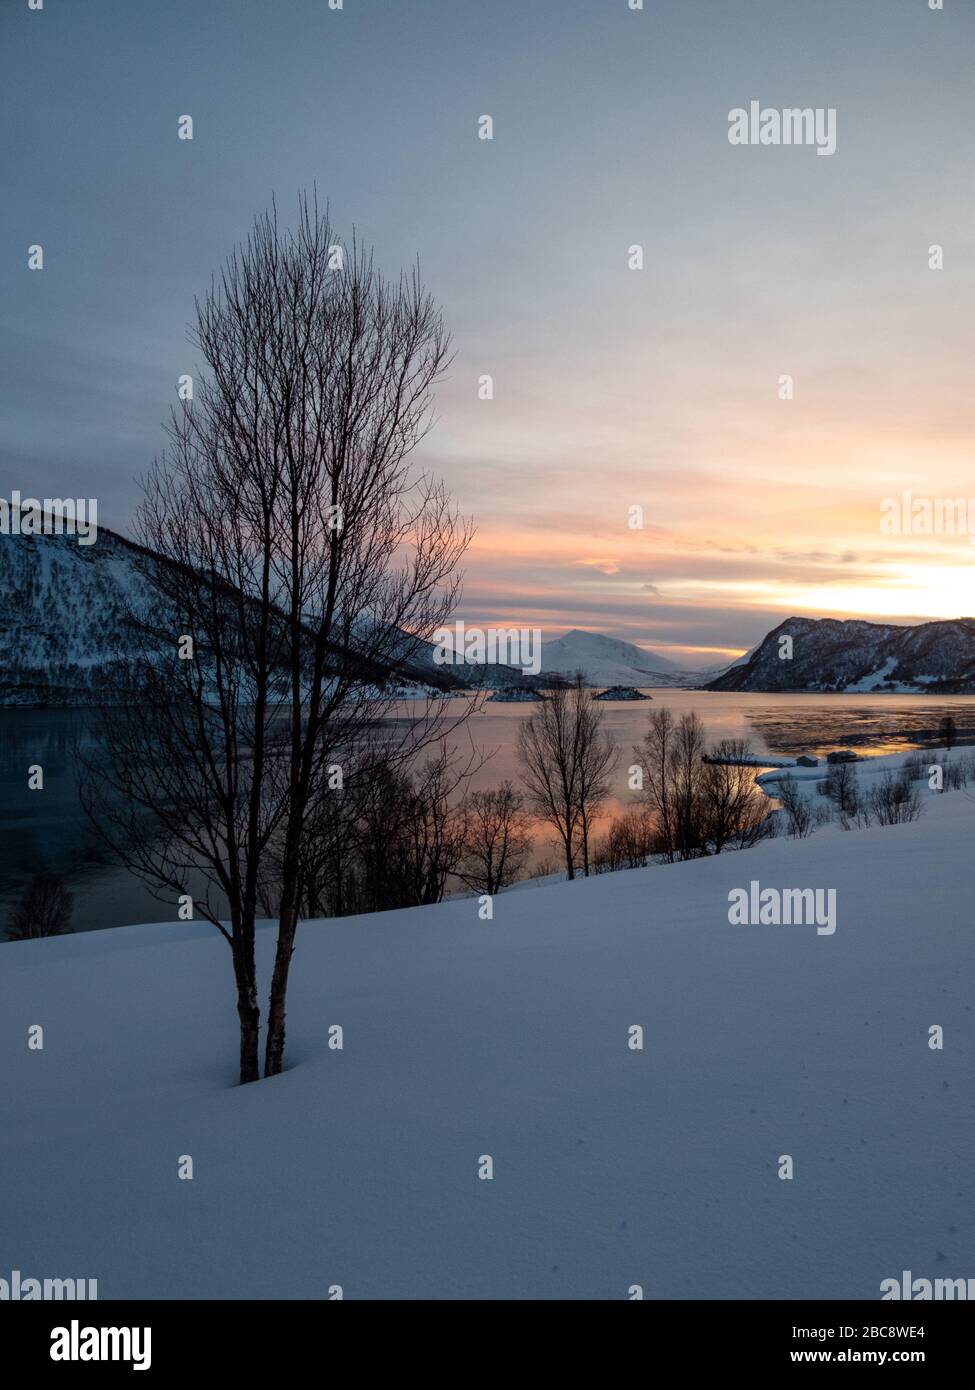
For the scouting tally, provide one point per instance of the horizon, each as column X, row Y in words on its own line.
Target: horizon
column 73, row 510
column 614, row 388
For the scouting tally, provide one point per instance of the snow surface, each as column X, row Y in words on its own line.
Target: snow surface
column 870, row 770
column 875, row 680
column 509, row 1038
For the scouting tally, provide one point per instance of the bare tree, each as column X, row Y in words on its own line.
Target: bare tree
column 842, row 786
column 799, row 817
column 497, row 838
column 670, row 757
column 949, row 731
column 916, row 766
column 566, row 759
column 734, row 813
column 329, row 855
column 630, row 840
column 433, row 830
column 44, row 909
column 596, row 758
column 293, row 558
column 860, row 817
column 895, row 800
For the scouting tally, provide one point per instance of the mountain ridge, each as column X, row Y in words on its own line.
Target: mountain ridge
column 854, row 656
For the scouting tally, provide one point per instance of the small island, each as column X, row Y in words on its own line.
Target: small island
column 622, row 692
column 516, row 694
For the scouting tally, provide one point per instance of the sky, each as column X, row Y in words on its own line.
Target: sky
column 614, row 388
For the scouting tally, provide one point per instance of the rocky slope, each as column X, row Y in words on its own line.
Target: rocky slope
column 825, row 654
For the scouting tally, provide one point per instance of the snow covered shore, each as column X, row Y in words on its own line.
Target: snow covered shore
column 613, row 1167
column 868, row 771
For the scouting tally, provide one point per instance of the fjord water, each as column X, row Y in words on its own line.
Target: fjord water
column 46, row 830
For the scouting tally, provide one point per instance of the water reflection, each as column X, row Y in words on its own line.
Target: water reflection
column 47, row 830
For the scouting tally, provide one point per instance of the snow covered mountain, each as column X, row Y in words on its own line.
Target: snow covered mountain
column 610, row 661
column 63, row 609
column 855, row 656
column 62, row 614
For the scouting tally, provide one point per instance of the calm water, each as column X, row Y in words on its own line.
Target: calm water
column 46, row 829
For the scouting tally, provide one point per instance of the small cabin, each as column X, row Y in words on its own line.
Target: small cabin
column 842, row 755
column 807, row 760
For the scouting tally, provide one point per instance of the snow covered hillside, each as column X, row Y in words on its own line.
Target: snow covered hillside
column 859, row 657
column 868, row 771
column 63, row 611
column 609, row 661
column 62, row 614
column 463, row 1038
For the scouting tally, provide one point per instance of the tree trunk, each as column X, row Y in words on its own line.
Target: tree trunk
column 287, row 926
column 248, row 1009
